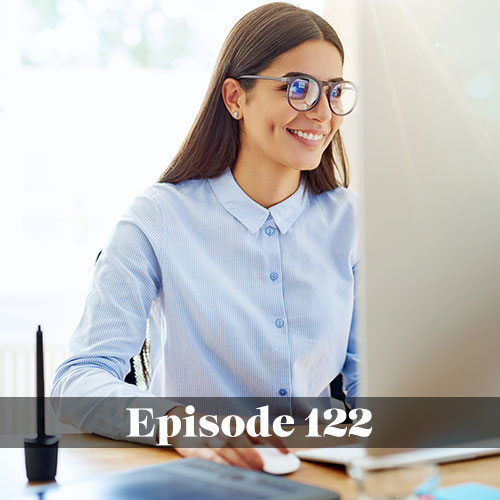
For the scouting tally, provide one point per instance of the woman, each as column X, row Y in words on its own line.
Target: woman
column 243, row 255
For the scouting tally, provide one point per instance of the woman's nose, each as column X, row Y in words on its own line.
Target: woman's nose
column 321, row 111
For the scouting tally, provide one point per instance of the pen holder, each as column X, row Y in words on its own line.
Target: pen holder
column 40, row 454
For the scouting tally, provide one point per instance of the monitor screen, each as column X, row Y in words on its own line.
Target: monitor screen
column 431, row 198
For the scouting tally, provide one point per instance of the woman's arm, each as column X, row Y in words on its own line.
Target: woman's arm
column 350, row 369
column 127, row 278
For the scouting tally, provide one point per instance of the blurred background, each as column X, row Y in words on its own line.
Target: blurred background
column 91, row 113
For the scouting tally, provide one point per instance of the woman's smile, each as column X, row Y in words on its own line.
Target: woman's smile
column 310, row 138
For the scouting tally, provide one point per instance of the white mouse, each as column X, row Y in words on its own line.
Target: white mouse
column 276, row 462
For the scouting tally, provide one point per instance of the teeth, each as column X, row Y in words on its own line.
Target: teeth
column 310, row 136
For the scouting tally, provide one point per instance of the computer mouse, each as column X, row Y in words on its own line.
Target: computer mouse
column 276, row 462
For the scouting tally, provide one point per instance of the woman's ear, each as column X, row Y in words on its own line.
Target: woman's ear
column 233, row 97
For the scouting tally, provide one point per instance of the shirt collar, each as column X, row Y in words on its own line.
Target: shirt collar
column 250, row 213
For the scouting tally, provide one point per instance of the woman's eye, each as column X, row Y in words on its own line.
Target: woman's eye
column 285, row 87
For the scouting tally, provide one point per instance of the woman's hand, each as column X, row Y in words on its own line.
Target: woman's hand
column 237, row 451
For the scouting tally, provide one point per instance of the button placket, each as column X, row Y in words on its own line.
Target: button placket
column 272, row 247
column 270, row 231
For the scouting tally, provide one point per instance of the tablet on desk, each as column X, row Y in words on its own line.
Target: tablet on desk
column 187, row 478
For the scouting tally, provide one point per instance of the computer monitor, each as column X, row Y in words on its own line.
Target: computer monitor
column 430, row 291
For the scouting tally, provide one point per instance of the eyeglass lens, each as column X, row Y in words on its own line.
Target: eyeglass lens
column 304, row 92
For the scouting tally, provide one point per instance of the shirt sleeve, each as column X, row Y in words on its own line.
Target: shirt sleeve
column 350, row 369
column 127, row 278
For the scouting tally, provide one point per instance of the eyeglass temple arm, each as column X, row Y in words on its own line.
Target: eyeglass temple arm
column 257, row 77
column 287, row 79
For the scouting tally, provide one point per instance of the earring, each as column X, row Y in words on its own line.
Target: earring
column 235, row 114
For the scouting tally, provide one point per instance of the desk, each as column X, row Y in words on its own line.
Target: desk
column 81, row 463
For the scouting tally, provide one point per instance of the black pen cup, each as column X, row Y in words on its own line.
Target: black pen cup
column 41, row 458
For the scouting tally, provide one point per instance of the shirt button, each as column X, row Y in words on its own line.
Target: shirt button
column 283, row 392
column 274, row 276
column 279, row 322
column 269, row 230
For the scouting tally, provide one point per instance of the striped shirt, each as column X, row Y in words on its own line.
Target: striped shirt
column 242, row 300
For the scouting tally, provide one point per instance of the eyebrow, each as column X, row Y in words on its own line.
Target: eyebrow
column 297, row 73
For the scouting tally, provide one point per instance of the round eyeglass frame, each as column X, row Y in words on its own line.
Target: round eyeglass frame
column 321, row 84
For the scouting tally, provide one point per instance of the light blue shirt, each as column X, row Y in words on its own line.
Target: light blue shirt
column 243, row 300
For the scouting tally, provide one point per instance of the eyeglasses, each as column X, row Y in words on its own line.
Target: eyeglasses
column 304, row 92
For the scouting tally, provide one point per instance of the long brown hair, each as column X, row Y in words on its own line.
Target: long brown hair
column 254, row 42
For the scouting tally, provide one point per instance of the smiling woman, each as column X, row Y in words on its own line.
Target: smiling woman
column 274, row 40
column 278, row 140
column 244, row 254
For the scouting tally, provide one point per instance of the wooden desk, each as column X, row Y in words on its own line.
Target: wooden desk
column 81, row 463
